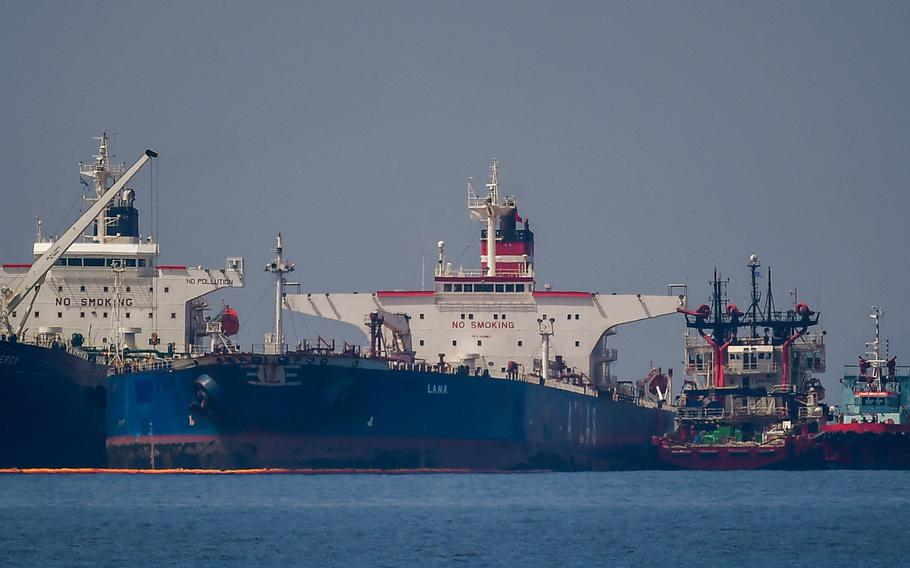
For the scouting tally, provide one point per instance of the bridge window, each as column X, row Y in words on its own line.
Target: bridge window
column 510, row 288
column 446, row 287
column 483, row 287
column 468, row 288
column 519, row 287
column 93, row 262
column 74, row 262
column 456, row 287
column 500, row 288
column 141, row 263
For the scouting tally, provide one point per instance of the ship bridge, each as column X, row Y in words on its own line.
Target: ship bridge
column 490, row 319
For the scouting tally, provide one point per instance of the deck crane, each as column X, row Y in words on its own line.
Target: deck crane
column 10, row 298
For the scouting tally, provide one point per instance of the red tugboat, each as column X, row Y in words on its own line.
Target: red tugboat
column 750, row 402
column 872, row 428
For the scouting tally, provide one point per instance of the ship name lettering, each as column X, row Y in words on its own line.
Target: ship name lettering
column 9, row 360
column 437, row 389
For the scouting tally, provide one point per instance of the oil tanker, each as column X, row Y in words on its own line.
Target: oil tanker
column 94, row 294
column 484, row 372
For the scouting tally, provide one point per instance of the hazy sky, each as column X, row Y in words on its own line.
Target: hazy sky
column 647, row 142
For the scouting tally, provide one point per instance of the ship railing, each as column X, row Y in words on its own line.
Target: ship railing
column 685, row 413
column 132, row 366
column 782, row 389
column 760, row 410
column 479, row 273
column 269, row 348
column 422, row 366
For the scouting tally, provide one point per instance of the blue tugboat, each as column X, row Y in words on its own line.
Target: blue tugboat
column 871, row 429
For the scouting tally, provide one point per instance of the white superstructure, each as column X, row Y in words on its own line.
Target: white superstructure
column 109, row 288
column 493, row 319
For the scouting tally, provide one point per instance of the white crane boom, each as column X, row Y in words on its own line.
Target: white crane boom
column 10, row 299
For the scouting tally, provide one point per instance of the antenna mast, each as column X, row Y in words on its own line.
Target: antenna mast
column 753, row 265
column 275, row 341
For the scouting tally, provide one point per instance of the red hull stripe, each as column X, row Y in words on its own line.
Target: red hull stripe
column 867, row 427
column 405, row 293
column 14, row 265
column 171, row 267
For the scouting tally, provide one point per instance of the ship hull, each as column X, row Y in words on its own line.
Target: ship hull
column 52, row 408
column 342, row 416
column 866, row 446
column 796, row 452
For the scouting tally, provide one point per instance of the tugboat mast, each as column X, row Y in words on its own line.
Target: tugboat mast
column 753, row 265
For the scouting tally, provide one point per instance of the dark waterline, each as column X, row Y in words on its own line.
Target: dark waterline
column 837, row 518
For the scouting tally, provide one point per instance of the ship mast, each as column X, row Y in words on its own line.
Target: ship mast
column 488, row 209
column 753, row 265
column 546, row 331
column 875, row 359
column 101, row 173
column 275, row 341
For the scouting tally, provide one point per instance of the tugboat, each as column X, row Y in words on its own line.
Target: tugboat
column 483, row 373
column 751, row 402
column 871, row 429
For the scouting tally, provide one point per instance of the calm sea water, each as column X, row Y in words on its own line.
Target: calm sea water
column 616, row 519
